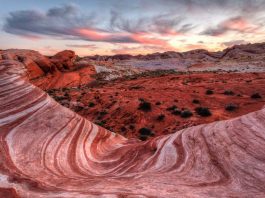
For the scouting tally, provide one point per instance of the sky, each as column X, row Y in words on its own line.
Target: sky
column 107, row 27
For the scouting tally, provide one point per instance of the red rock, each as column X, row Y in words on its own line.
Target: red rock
column 36, row 64
column 47, row 150
column 64, row 60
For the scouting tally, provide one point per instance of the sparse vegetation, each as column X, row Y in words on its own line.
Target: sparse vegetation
column 132, row 127
column 176, row 112
column 161, row 117
column 186, row 114
column 102, row 113
column 145, row 133
column 158, row 103
column 123, row 129
column 101, row 123
column 209, row 92
column 256, row 96
column 231, row 107
column 91, row 104
column 172, row 108
column 229, row 93
column 144, row 105
column 195, row 101
column 203, row 111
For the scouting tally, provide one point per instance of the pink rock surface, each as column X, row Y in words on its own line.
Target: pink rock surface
column 47, row 150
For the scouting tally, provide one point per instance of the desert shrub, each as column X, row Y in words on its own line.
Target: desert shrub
column 203, row 111
column 136, row 87
column 145, row 106
column 161, row 117
column 209, row 92
column 78, row 108
column 132, row 127
column 172, row 108
column 101, row 123
column 145, row 133
column 186, row 114
column 102, row 113
column 65, row 89
column 58, row 98
column 256, row 96
column 91, row 104
column 176, row 112
column 231, row 107
column 66, row 94
column 50, row 91
column 123, row 129
column 195, row 101
column 229, row 93
column 158, row 103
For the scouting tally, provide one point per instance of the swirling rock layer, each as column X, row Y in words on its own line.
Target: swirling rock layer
column 47, row 150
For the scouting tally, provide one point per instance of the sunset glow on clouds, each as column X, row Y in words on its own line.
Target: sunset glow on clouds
column 145, row 26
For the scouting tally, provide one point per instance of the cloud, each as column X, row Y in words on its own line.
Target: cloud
column 140, row 49
column 240, row 6
column 232, row 43
column 237, row 24
column 56, row 21
column 163, row 24
column 89, row 46
column 67, row 22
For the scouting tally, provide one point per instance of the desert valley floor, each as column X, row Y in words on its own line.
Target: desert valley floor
column 119, row 127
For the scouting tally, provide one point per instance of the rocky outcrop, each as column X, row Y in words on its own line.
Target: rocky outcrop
column 47, row 150
column 238, row 52
column 36, row 64
column 64, row 60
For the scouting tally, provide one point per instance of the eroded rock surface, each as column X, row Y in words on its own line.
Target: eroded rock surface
column 64, row 60
column 47, row 150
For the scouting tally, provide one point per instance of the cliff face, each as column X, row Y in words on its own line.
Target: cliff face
column 47, row 150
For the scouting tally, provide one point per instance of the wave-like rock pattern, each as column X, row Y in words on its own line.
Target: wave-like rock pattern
column 47, row 150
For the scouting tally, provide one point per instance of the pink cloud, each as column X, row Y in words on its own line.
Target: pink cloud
column 91, row 34
column 31, row 37
column 146, row 38
column 238, row 24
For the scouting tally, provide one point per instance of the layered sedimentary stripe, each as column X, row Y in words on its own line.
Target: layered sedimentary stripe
column 49, row 151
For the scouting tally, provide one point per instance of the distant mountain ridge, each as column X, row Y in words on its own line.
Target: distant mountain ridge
column 256, row 48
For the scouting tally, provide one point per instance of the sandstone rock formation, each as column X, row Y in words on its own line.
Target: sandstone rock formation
column 64, row 60
column 47, row 150
column 36, row 64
